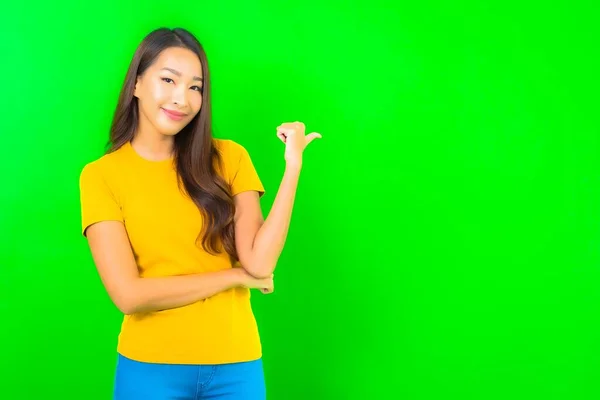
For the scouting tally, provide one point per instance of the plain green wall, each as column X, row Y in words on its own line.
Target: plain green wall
column 445, row 242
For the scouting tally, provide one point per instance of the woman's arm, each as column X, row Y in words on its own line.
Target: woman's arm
column 116, row 265
column 259, row 242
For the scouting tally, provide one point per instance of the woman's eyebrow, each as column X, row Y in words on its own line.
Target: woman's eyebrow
column 196, row 78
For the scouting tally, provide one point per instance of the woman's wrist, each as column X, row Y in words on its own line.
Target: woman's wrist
column 293, row 166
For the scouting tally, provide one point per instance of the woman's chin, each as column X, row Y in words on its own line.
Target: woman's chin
column 170, row 128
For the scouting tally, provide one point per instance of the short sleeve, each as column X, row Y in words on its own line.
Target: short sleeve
column 98, row 201
column 245, row 177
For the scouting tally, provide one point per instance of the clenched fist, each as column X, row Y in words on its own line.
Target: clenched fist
column 295, row 139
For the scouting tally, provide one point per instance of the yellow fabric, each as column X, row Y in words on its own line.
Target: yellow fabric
column 163, row 224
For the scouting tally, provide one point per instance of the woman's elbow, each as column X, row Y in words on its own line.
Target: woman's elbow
column 125, row 303
column 262, row 275
column 126, row 307
column 257, row 265
column 260, row 271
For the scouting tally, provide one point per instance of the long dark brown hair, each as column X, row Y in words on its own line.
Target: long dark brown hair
column 195, row 155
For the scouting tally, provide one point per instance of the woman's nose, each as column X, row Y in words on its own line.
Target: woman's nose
column 179, row 97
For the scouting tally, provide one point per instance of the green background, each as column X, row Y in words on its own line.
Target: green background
column 445, row 242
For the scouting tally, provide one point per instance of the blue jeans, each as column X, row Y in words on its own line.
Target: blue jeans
column 136, row 380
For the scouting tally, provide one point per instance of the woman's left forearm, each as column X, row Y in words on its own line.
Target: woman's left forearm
column 270, row 238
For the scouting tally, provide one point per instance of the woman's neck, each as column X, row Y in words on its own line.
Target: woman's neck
column 154, row 147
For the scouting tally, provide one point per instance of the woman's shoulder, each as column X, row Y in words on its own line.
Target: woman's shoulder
column 227, row 146
column 230, row 150
column 104, row 165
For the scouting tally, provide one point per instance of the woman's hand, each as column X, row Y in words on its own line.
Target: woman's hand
column 265, row 285
column 293, row 135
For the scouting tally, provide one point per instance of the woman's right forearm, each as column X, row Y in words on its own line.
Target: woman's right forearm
column 155, row 294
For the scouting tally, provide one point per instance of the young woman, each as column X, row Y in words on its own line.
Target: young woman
column 173, row 221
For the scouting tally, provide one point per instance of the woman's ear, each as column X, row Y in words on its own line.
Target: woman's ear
column 135, row 88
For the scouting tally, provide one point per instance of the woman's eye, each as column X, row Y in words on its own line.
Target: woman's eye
column 168, row 80
column 198, row 88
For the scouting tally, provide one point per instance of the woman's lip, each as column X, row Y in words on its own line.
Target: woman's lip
column 174, row 114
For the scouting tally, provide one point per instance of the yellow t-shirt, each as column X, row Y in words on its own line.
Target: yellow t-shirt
column 163, row 225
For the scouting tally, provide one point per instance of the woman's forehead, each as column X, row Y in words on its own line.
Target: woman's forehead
column 179, row 61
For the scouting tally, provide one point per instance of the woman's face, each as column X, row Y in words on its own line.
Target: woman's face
column 169, row 92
